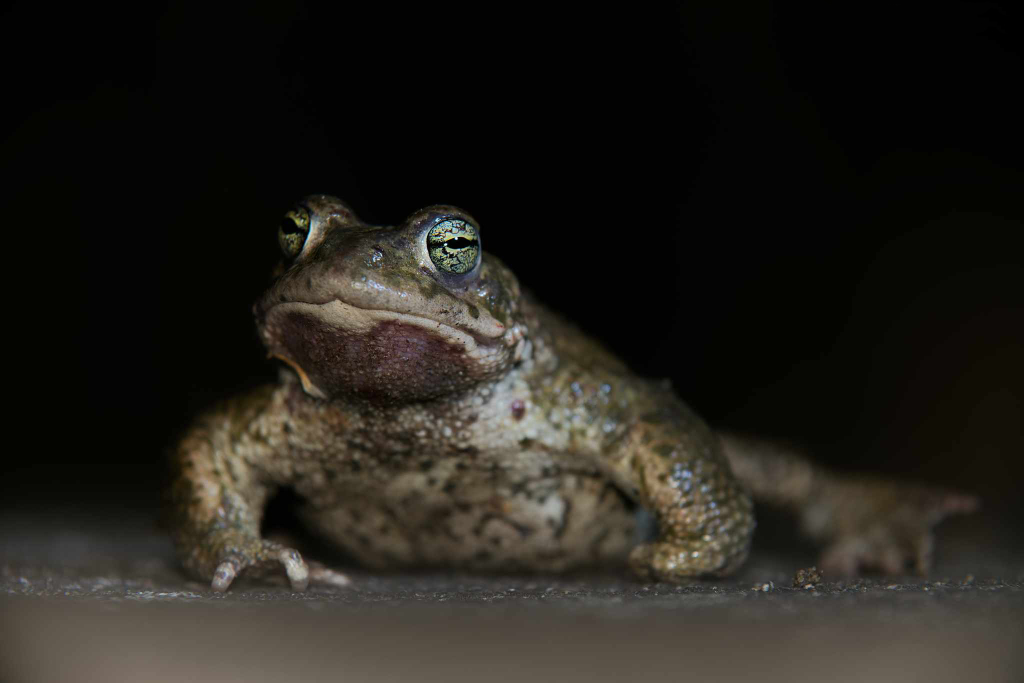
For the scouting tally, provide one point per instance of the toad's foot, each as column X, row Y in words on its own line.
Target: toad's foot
column 257, row 557
column 683, row 561
column 881, row 526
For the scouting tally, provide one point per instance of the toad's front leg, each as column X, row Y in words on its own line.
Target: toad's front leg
column 675, row 467
column 217, row 501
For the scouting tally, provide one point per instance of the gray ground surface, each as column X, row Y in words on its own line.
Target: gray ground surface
column 100, row 597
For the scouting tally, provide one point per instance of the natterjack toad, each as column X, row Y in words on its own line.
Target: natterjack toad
column 436, row 414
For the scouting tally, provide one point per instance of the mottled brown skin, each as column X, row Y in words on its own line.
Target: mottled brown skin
column 441, row 418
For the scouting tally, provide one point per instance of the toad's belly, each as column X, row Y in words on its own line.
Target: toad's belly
column 545, row 524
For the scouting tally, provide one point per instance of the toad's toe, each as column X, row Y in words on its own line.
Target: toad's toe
column 319, row 574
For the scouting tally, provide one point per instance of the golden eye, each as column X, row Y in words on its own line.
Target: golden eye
column 454, row 246
column 292, row 233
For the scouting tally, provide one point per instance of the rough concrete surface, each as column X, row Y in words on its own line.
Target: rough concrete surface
column 99, row 597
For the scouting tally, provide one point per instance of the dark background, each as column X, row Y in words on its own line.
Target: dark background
column 810, row 220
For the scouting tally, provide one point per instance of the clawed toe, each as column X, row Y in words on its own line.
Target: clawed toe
column 319, row 574
column 223, row 576
column 295, row 568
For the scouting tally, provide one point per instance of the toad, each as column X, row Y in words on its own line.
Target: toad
column 432, row 412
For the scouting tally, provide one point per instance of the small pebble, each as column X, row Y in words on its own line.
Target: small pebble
column 807, row 578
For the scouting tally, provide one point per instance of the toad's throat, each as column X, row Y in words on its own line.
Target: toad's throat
column 339, row 349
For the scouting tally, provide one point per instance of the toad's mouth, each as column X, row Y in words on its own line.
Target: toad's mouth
column 352, row 318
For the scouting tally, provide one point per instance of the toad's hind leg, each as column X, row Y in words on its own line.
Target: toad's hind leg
column 673, row 464
column 863, row 522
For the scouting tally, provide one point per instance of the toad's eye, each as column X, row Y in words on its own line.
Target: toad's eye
column 292, row 233
column 454, row 246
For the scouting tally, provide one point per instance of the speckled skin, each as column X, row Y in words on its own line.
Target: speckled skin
column 435, row 418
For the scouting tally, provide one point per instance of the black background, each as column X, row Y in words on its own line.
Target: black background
column 809, row 219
